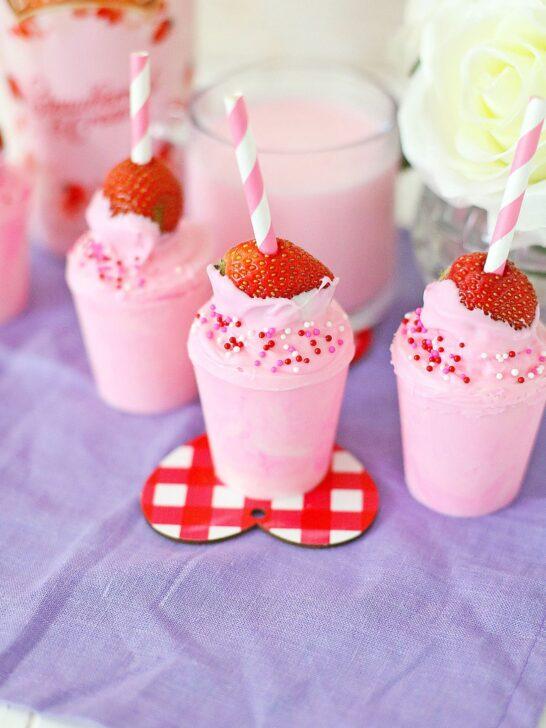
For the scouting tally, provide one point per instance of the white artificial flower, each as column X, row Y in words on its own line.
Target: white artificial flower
column 460, row 119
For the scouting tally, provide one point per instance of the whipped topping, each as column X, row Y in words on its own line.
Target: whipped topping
column 127, row 237
column 127, row 255
column 272, row 342
column 446, row 349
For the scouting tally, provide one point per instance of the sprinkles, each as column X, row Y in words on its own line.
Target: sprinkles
column 451, row 364
column 225, row 333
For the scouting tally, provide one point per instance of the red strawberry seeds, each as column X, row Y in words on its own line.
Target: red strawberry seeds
column 289, row 272
column 509, row 297
column 150, row 190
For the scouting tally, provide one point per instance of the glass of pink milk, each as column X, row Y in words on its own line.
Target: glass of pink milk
column 328, row 146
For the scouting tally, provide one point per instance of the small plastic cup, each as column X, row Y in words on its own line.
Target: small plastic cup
column 466, row 461
column 266, row 442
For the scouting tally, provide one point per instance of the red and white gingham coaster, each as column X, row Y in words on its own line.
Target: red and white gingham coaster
column 183, row 500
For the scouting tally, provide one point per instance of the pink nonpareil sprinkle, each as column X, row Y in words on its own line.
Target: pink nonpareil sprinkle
column 316, row 332
column 331, row 349
column 209, row 334
column 273, row 369
column 340, row 342
column 257, row 363
column 261, row 354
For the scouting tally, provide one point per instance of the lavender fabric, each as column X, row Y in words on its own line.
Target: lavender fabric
column 425, row 621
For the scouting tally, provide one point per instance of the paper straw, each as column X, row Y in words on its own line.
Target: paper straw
column 251, row 176
column 518, row 179
column 141, row 141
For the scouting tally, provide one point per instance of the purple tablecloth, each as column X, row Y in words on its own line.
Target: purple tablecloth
column 425, row 621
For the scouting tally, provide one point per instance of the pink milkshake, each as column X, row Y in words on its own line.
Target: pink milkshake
column 328, row 150
column 14, row 263
column 137, row 277
column 271, row 371
column 64, row 69
column 470, row 366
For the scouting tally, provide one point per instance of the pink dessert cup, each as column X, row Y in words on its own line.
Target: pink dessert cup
column 271, row 374
column 14, row 253
column 137, row 350
column 465, row 462
column 267, row 443
column 136, row 338
column 471, row 391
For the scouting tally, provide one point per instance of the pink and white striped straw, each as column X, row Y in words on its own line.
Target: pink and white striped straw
column 251, row 176
column 518, row 179
column 141, row 140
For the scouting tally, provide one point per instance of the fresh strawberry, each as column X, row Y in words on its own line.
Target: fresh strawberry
column 111, row 15
column 74, row 198
column 162, row 30
column 510, row 297
column 14, row 88
column 150, row 190
column 27, row 29
column 290, row 271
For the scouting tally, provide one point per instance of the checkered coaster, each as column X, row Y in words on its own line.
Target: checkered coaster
column 183, row 500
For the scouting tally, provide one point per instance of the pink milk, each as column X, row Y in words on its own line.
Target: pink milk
column 329, row 168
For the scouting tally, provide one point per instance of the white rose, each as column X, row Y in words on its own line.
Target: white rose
column 461, row 115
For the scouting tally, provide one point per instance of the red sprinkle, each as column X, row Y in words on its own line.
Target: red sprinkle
column 317, row 351
column 512, row 354
column 262, row 335
column 521, row 380
column 429, row 368
column 416, row 357
column 466, row 380
column 328, row 337
column 306, row 360
column 288, row 361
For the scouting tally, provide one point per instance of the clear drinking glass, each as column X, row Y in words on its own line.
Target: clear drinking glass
column 328, row 146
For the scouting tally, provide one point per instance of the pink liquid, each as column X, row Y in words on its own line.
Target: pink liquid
column 336, row 203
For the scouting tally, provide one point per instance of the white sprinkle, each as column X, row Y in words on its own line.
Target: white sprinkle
column 445, row 377
column 236, row 348
column 514, row 372
column 499, row 376
column 410, row 357
column 483, row 355
column 285, row 347
column 498, row 357
column 531, row 375
column 329, row 323
column 540, row 369
column 251, row 332
column 306, row 324
column 283, row 336
column 543, row 353
column 505, row 356
column 288, row 331
column 342, row 328
column 296, row 370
